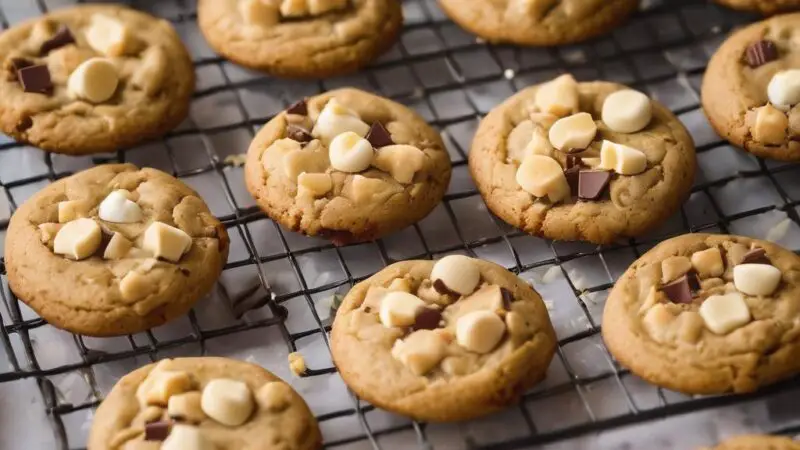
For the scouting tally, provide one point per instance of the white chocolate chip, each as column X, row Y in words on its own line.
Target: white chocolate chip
column 784, row 89
column 401, row 161
column 160, row 385
column 400, row 309
column 311, row 159
column 78, row 239
column 770, row 125
column 297, row 364
column 543, row 176
column 48, row 232
column 480, row 331
column 627, row 111
column 756, row 279
column 135, row 286
column 458, row 273
column 186, row 407
column 573, row 132
column 365, row 189
column 316, row 7
column 350, row 153
column 152, row 70
column 186, row 437
column 274, row 396
column 259, row 12
column 70, row 210
column 294, row 8
column 674, row 267
column 517, row 325
column 117, row 247
column 421, row 351
column 108, row 35
column 227, row 401
column 558, row 97
column 313, row 185
column 336, row 119
column 400, row 284
column 656, row 321
column 708, row 263
column 95, row 80
column 165, row 241
column 117, row 208
column 622, row 159
column 724, row 313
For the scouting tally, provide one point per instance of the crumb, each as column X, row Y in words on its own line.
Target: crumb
column 236, row 160
column 551, row 275
column 549, row 305
column 778, row 232
column 509, row 74
column 297, row 364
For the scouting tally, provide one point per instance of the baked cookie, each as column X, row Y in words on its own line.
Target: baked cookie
column 202, row 404
column 301, row 38
column 708, row 314
column 442, row 341
column 114, row 250
column 759, row 442
column 92, row 79
column 538, row 22
column 582, row 161
column 347, row 165
column 762, row 6
column 751, row 89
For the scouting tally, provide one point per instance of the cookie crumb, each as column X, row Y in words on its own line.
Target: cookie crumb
column 551, row 275
column 236, row 160
column 778, row 232
column 509, row 74
column 297, row 364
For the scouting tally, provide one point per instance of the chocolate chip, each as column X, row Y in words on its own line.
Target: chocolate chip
column 367, row 309
column 440, row 287
column 592, row 183
column 756, row 256
column 300, row 108
column 761, row 53
column 24, row 123
column 573, row 178
column 694, row 280
column 298, row 134
column 17, row 64
column 574, row 161
column 427, row 319
column 36, row 79
column 61, row 38
column 678, row 291
column 156, row 431
column 508, row 298
column 379, row 136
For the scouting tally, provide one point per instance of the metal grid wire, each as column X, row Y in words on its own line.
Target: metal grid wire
column 283, row 296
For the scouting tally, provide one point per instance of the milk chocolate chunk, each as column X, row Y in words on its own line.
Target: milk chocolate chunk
column 379, row 136
column 760, row 53
column 592, row 183
column 36, row 79
column 678, row 291
column 756, row 256
column 300, row 108
column 298, row 134
column 427, row 319
column 156, row 431
column 61, row 38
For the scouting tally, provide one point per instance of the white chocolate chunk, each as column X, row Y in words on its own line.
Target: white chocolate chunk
column 186, row 437
column 274, row 396
column 160, row 385
column 259, row 12
column 311, row 159
column 227, row 401
column 627, row 111
column 313, row 185
column 135, row 286
column 756, row 279
column 401, row 161
column 708, row 263
column 297, row 364
column 117, row 208
column 316, row 7
column 622, row 159
column 350, row 153
column 70, row 210
column 108, row 35
column 78, row 239
column 186, row 407
column 479, row 331
column 335, row 119
column 150, row 74
column 558, row 97
column 573, row 132
column 543, row 176
column 294, row 8
column 366, row 189
column 724, row 313
column 400, row 284
column 674, row 267
column 784, row 89
column 421, row 351
column 95, row 80
column 591, row 162
column 459, row 274
column 770, row 125
column 165, row 241
column 399, row 309
column 117, row 247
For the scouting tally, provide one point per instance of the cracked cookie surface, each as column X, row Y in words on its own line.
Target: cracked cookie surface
column 762, row 6
column 758, row 442
column 113, row 279
column 306, row 187
column 405, row 341
column 708, row 314
column 259, row 34
column 177, row 404
column 538, row 22
column 152, row 95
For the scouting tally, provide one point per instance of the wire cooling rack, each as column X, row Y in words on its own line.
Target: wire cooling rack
column 275, row 293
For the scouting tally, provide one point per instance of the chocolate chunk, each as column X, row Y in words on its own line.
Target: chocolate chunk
column 61, row 38
column 574, row 150
column 300, row 108
column 573, row 178
column 24, row 123
column 36, row 79
column 508, row 298
column 592, row 183
column 756, row 256
column 156, row 431
column 678, row 291
column 379, row 136
column 761, row 53
column 427, row 319
column 694, row 280
column 574, row 161
column 298, row 134
column 440, row 287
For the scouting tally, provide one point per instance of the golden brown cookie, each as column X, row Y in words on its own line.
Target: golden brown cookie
column 92, row 79
column 347, row 165
column 114, row 250
column 539, row 22
column 301, row 38
column 751, row 88
column 582, row 161
column 708, row 314
column 758, row 442
column 442, row 341
column 762, row 6
column 203, row 403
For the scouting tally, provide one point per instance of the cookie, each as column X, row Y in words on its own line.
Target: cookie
column 347, row 165
column 301, row 38
column 751, row 89
column 92, row 79
column 708, row 314
column 442, row 341
column 762, row 6
column 759, row 442
column 582, row 161
column 538, row 22
column 203, row 403
column 114, row 250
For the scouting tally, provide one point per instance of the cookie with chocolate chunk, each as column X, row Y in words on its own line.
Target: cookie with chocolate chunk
column 448, row 340
column 591, row 161
column 347, row 165
column 759, row 442
column 114, row 250
column 762, row 6
column 708, row 314
column 93, row 78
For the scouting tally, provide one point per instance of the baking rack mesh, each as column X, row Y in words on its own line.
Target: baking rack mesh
column 275, row 294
